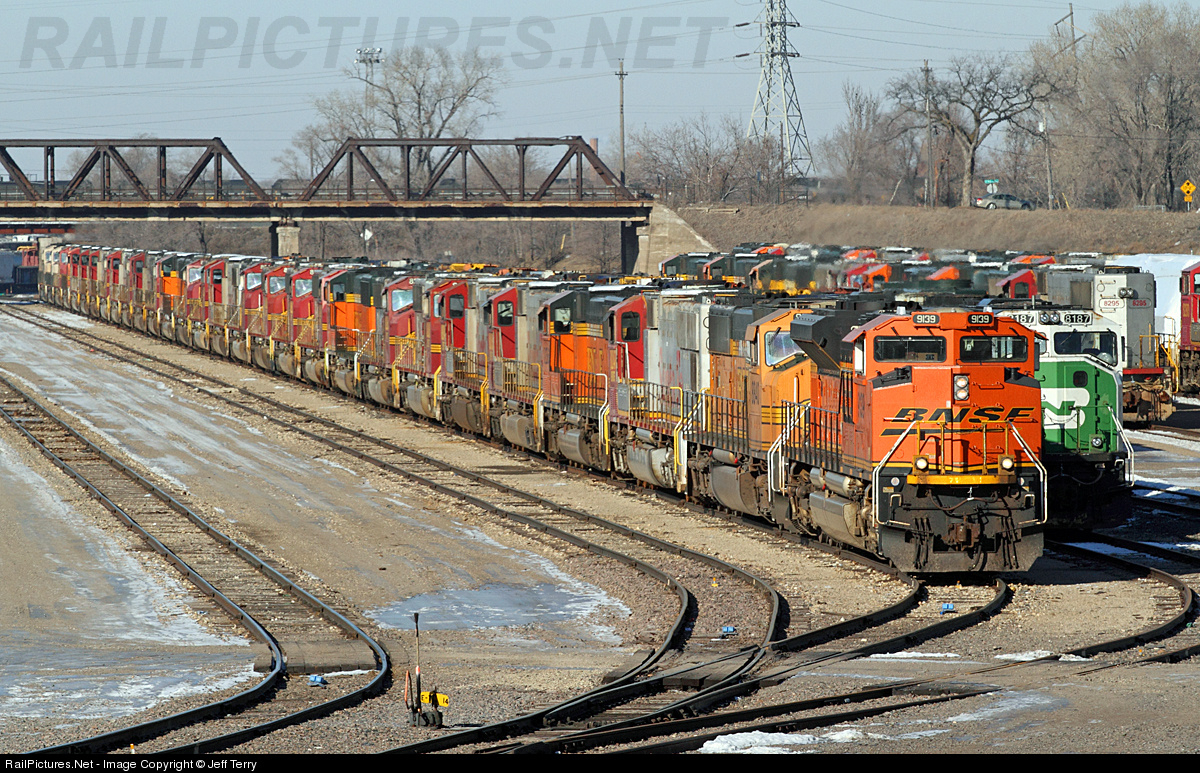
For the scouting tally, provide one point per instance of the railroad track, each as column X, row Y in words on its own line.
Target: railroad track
column 612, row 707
column 695, row 643
column 1178, row 639
column 571, row 731
column 663, row 686
column 1190, row 435
column 940, row 611
column 295, row 628
column 1176, row 501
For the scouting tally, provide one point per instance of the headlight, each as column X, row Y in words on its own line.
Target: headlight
column 1097, row 441
column 1044, row 318
column 921, row 463
column 1007, row 463
column 962, row 387
column 1055, row 318
column 1125, row 292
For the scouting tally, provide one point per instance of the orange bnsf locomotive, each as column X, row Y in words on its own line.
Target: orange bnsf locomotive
column 914, row 436
column 922, row 438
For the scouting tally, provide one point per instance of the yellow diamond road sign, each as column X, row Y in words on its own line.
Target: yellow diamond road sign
column 1188, row 188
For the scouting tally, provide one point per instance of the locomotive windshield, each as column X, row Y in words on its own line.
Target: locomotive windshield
column 780, row 347
column 910, row 349
column 993, row 349
column 1101, row 344
column 401, row 299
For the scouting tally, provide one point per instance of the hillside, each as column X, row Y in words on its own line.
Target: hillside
column 1112, row 231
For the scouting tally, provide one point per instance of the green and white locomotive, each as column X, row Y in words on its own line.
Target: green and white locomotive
column 1087, row 455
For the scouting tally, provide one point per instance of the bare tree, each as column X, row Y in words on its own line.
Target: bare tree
column 417, row 93
column 1128, row 126
column 870, row 156
column 1019, row 163
column 703, row 160
column 971, row 99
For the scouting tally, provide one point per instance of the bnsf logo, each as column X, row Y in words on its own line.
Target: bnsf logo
column 964, row 415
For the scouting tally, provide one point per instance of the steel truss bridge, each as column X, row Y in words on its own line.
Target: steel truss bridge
column 424, row 179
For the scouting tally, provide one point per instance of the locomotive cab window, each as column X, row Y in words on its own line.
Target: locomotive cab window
column 504, row 314
column 780, row 347
column 910, row 349
column 401, row 299
column 1099, row 344
column 303, row 287
column 562, row 319
column 457, row 306
column 276, row 284
column 631, row 326
column 993, row 349
column 254, row 281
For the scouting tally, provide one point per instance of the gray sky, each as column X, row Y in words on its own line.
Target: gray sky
column 248, row 72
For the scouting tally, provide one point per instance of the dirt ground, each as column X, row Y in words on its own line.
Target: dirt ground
column 1111, row 231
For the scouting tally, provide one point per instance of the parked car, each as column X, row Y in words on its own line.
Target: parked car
column 1002, row 201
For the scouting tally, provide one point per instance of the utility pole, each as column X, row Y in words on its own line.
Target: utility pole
column 1075, row 36
column 621, row 76
column 1044, row 127
column 776, row 101
column 930, row 200
column 629, row 234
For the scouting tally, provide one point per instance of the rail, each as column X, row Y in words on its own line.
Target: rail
column 409, row 355
column 1130, row 472
column 467, row 369
column 127, row 735
column 516, row 380
column 372, row 351
column 651, row 406
column 581, row 392
column 722, row 422
column 306, row 332
column 1165, row 350
column 812, row 436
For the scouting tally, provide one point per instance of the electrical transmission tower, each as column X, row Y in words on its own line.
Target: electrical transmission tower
column 776, row 107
